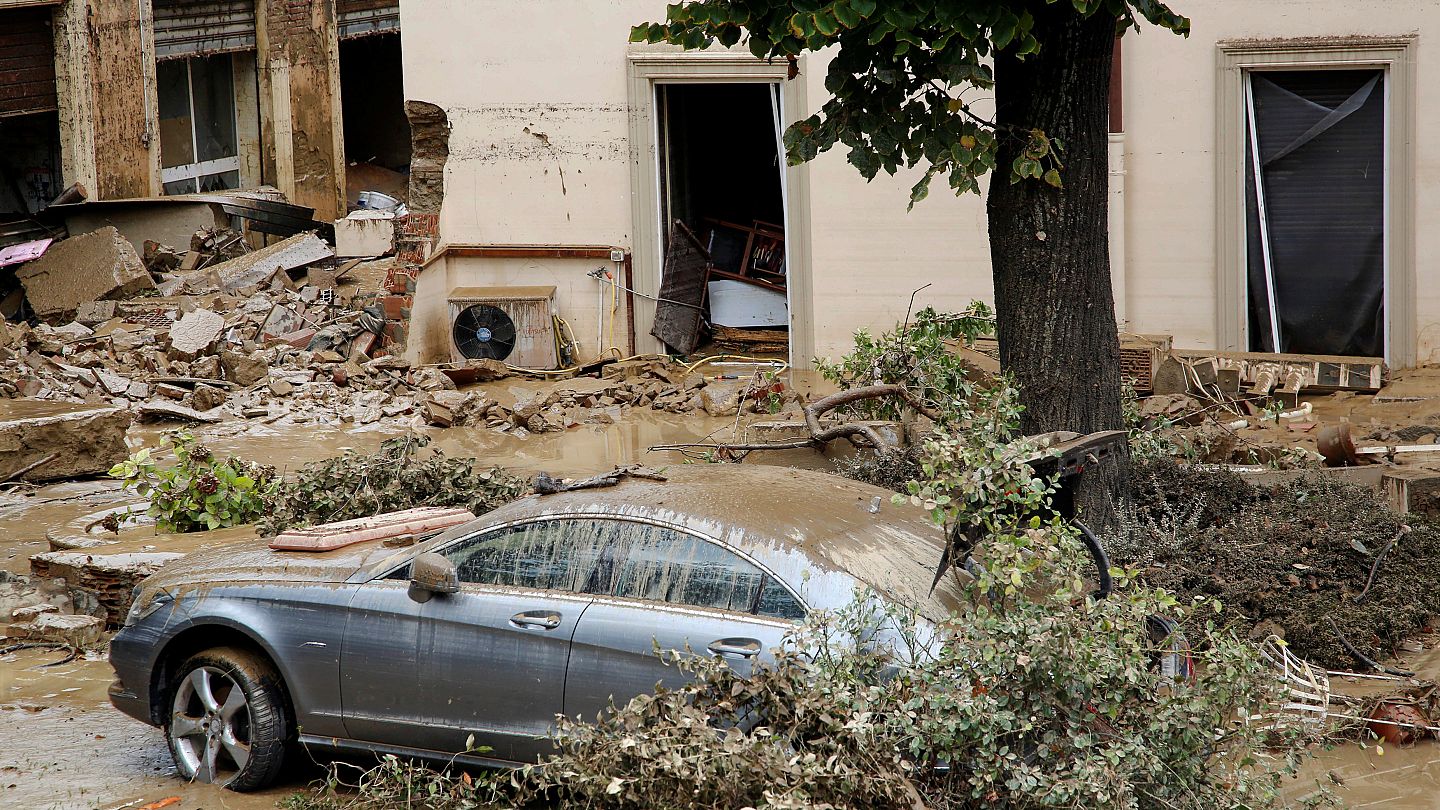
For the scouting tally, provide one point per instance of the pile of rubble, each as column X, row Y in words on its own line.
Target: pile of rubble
column 603, row 399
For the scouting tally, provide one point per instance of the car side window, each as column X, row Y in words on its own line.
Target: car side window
column 777, row 603
column 662, row 564
column 561, row 555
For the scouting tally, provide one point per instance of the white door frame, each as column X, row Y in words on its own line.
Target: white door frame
column 650, row 66
column 1396, row 57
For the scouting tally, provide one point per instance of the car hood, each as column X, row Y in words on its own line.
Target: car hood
column 253, row 561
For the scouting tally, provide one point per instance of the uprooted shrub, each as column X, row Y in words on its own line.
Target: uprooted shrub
column 1037, row 697
column 200, row 491
column 1292, row 558
column 397, row 476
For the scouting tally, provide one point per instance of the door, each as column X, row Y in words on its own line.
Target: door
column 674, row 591
column 1315, row 171
column 379, row 661
column 493, row 657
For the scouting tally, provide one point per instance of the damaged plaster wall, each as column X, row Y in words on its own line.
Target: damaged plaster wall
column 540, row 153
column 299, row 80
column 429, row 151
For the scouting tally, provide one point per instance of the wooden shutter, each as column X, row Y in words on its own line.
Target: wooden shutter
column 27, row 61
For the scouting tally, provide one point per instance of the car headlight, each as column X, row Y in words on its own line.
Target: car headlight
column 143, row 605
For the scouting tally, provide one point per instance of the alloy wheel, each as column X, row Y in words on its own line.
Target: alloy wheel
column 210, row 726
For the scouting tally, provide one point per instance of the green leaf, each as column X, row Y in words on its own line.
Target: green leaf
column 1053, row 178
column 863, row 7
column 825, row 23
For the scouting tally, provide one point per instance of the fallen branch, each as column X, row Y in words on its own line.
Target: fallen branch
column 821, row 435
column 1362, row 657
column 1380, row 558
column 546, row 484
column 31, row 467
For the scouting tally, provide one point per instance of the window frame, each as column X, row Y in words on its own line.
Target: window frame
column 196, row 170
column 1395, row 57
column 765, row 570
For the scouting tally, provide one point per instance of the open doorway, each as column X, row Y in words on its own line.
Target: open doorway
column 1316, row 171
column 377, row 133
column 722, row 216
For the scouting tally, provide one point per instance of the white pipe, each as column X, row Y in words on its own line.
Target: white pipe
column 1303, row 410
column 1264, row 216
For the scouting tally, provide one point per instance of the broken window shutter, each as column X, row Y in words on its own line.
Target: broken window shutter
column 1319, row 146
column 27, row 61
column 358, row 18
column 185, row 28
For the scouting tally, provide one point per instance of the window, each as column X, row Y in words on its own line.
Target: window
column 663, row 564
column 199, row 150
column 621, row 558
column 1319, row 135
column 560, row 555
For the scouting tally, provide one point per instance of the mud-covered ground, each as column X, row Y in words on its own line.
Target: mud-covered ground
column 63, row 746
column 61, row 743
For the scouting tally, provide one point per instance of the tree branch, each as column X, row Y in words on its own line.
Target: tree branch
column 821, row 435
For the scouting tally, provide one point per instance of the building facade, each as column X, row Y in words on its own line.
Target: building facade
column 565, row 139
column 136, row 99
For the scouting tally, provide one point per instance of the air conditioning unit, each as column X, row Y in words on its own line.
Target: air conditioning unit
column 513, row 324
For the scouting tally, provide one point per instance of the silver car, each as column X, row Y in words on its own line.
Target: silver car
column 473, row 641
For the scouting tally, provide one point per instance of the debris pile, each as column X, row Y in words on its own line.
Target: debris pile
column 1316, row 560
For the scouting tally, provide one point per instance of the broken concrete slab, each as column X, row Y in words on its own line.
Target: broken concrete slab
column 112, row 576
column 98, row 265
column 195, row 333
column 159, row 411
column 75, row 631
column 257, row 267
column 243, row 370
column 51, row 441
column 365, row 233
column 207, row 398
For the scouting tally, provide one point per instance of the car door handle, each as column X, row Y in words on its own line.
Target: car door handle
column 736, row 647
column 547, row 619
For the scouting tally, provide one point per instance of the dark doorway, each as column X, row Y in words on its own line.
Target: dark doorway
column 377, row 134
column 720, row 177
column 1316, row 219
column 29, row 162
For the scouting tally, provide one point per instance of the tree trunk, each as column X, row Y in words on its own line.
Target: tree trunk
column 1049, row 247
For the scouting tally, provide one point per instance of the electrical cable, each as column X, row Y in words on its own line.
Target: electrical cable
column 598, row 275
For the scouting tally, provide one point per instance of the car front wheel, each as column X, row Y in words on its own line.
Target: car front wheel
column 227, row 721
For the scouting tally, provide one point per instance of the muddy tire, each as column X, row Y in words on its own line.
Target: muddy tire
column 226, row 721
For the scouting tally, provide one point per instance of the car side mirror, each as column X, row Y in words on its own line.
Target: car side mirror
column 431, row 573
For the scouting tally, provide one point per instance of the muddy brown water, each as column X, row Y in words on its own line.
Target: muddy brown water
column 63, row 746
column 61, row 743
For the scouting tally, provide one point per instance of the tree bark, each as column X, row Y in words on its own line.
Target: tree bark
column 1049, row 247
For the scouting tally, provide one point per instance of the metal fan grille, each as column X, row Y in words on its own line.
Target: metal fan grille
column 483, row 332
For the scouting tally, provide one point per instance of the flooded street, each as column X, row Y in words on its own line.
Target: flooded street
column 63, row 746
column 61, row 743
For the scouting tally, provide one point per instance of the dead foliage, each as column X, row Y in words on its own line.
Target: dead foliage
column 1292, row 558
column 397, row 476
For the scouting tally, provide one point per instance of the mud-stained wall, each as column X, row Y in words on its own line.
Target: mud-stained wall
column 299, row 80
column 540, row 153
column 125, row 150
column 1170, row 101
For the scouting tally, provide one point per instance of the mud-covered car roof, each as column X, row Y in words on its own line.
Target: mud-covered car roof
column 802, row 524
